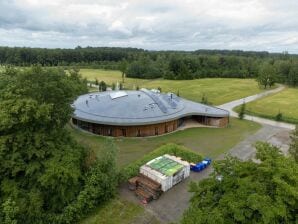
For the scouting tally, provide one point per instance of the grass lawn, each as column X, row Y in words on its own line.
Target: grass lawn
column 118, row 211
column 217, row 90
column 207, row 141
column 285, row 101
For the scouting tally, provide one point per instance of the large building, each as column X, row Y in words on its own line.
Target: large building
column 141, row 113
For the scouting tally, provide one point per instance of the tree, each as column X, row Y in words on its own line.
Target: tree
column 278, row 116
column 204, row 99
column 292, row 78
column 294, row 144
column 123, row 68
column 247, row 192
column 242, row 111
column 102, row 86
column 267, row 75
column 113, row 86
column 96, row 82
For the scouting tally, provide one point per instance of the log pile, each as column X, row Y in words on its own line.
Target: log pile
column 145, row 188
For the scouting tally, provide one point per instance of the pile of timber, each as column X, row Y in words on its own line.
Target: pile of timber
column 145, row 188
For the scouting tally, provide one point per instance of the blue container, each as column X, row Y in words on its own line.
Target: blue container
column 201, row 165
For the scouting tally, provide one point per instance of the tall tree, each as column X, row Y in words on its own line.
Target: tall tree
column 123, row 68
column 267, row 75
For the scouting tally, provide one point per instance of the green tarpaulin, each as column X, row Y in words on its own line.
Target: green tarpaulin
column 165, row 166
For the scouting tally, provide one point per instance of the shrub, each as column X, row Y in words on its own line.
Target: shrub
column 242, row 111
column 278, row 116
column 177, row 150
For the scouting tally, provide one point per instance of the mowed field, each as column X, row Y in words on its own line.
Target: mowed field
column 217, row 90
column 209, row 142
column 285, row 102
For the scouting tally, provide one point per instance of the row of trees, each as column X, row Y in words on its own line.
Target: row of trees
column 137, row 63
column 54, row 57
column 47, row 177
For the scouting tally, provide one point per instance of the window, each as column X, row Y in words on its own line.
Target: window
column 110, row 132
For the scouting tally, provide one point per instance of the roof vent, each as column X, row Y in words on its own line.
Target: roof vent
column 118, row 94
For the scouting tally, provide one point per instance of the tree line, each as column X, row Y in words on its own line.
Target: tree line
column 268, row 68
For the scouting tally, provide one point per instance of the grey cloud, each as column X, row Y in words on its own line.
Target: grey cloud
column 151, row 24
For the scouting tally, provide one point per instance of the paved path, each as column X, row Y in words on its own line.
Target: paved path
column 277, row 136
column 229, row 107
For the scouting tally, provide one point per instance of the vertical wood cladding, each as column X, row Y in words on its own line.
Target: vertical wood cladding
column 145, row 130
column 128, row 131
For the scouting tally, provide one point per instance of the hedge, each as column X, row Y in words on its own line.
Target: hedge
column 186, row 154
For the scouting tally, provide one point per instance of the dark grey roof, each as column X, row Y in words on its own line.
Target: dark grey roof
column 138, row 108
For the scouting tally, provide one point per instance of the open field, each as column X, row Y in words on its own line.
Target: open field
column 206, row 141
column 217, row 90
column 119, row 211
column 285, row 102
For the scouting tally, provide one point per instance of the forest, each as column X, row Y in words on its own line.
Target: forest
column 181, row 65
column 46, row 176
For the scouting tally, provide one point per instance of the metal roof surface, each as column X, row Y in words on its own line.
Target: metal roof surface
column 138, row 108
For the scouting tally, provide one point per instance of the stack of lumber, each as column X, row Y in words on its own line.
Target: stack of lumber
column 132, row 182
column 145, row 188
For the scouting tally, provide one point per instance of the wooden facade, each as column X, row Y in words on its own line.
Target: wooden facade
column 220, row 122
column 128, row 131
column 146, row 130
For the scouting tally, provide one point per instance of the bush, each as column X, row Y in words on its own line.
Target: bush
column 177, row 150
column 278, row 117
column 242, row 112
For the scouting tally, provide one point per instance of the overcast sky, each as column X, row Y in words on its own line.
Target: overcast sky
column 270, row 25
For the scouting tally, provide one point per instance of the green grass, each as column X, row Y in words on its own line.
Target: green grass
column 285, row 102
column 118, row 211
column 206, row 141
column 217, row 90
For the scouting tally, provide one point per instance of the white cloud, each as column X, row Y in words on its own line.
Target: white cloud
column 151, row 24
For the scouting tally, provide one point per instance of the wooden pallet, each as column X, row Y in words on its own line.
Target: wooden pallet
column 144, row 195
column 148, row 182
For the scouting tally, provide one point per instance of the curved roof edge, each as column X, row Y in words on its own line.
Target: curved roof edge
column 132, row 122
